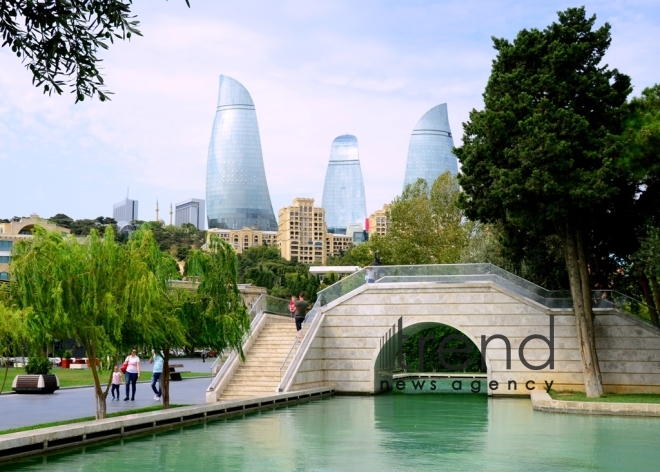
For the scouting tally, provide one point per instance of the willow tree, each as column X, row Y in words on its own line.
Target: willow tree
column 542, row 155
column 216, row 317
column 13, row 334
column 156, row 314
column 75, row 288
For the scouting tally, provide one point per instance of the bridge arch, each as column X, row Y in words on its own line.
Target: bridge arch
column 412, row 327
column 345, row 351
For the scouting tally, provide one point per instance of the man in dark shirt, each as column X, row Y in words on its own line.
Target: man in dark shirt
column 301, row 311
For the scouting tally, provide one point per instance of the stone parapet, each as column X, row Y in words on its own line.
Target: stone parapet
column 542, row 401
column 39, row 441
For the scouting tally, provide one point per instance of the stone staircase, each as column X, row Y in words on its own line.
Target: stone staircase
column 260, row 374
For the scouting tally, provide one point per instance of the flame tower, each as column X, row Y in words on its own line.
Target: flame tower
column 236, row 188
column 430, row 148
column 343, row 191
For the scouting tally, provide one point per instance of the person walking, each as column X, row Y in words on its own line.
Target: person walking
column 157, row 360
column 369, row 275
column 301, row 312
column 292, row 307
column 132, row 373
column 116, row 382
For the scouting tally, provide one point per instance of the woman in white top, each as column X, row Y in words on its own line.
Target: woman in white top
column 132, row 372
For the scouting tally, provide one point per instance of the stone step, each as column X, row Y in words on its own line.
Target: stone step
column 249, row 392
column 255, row 382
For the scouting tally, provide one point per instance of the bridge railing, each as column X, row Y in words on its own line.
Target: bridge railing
column 264, row 304
column 461, row 273
column 448, row 273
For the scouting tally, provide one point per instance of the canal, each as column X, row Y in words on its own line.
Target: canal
column 386, row 432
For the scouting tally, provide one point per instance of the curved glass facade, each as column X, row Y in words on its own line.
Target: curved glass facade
column 236, row 188
column 343, row 192
column 429, row 150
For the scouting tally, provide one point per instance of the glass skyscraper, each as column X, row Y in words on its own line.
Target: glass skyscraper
column 343, row 191
column 429, row 150
column 236, row 189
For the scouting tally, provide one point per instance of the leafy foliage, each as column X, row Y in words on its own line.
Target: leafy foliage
column 431, row 360
column 177, row 241
column 265, row 267
column 543, row 157
column 59, row 40
column 38, row 366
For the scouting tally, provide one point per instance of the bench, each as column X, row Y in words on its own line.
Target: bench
column 176, row 375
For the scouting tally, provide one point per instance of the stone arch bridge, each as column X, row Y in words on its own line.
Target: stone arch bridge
column 350, row 335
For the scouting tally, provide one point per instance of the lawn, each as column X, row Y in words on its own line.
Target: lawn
column 87, row 418
column 80, row 378
column 606, row 397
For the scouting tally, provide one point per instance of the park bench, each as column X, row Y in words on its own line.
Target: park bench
column 176, row 374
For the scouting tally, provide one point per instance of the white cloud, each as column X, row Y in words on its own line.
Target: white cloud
column 314, row 69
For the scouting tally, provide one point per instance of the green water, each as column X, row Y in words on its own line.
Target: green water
column 387, row 432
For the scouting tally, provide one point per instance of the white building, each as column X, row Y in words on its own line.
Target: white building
column 191, row 211
column 126, row 210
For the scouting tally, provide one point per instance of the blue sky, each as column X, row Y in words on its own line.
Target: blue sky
column 315, row 70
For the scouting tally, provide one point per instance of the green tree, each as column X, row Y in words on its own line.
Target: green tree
column 216, row 317
column 59, row 40
column 432, row 339
column 177, row 241
column 542, row 155
column 62, row 220
column 13, row 334
column 82, row 289
column 165, row 325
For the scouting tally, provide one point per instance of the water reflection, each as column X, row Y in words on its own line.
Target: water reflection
column 388, row 432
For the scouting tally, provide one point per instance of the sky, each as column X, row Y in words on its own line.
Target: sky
column 315, row 70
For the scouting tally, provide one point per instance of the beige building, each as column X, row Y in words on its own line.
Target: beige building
column 15, row 230
column 244, row 238
column 301, row 232
column 337, row 244
column 379, row 221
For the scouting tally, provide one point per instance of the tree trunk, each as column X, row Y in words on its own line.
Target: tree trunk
column 100, row 396
column 165, row 378
column 656, row 296
column 648, row 298
column 578, row 276
column 6, row 361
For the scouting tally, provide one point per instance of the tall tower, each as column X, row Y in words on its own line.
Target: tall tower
column 236, row 188
column 429, row 149
column 156, row 210
column 343, row 191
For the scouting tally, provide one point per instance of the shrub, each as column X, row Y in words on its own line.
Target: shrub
column 38, row 366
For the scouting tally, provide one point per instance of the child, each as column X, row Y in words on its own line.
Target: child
column 116, row 381
column 292, row 307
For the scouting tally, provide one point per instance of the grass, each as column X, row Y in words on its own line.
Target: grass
column 87, row 418
column 81, row 378
column 571, row 396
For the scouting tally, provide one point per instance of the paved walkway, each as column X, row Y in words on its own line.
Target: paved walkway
column 65, row 404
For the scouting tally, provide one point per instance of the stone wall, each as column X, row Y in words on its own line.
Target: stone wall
column 345, row 351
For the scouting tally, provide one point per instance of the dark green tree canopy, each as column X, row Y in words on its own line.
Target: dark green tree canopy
column 543, row 149
column 544, row 157
column 59, row 40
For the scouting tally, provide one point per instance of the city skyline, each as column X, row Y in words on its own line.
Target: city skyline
column 294, row 58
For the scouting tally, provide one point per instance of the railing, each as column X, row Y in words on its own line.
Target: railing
column 304, row 338
column 608, row 299
column 453, row 273
column 264, row 304
column 305, row 328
